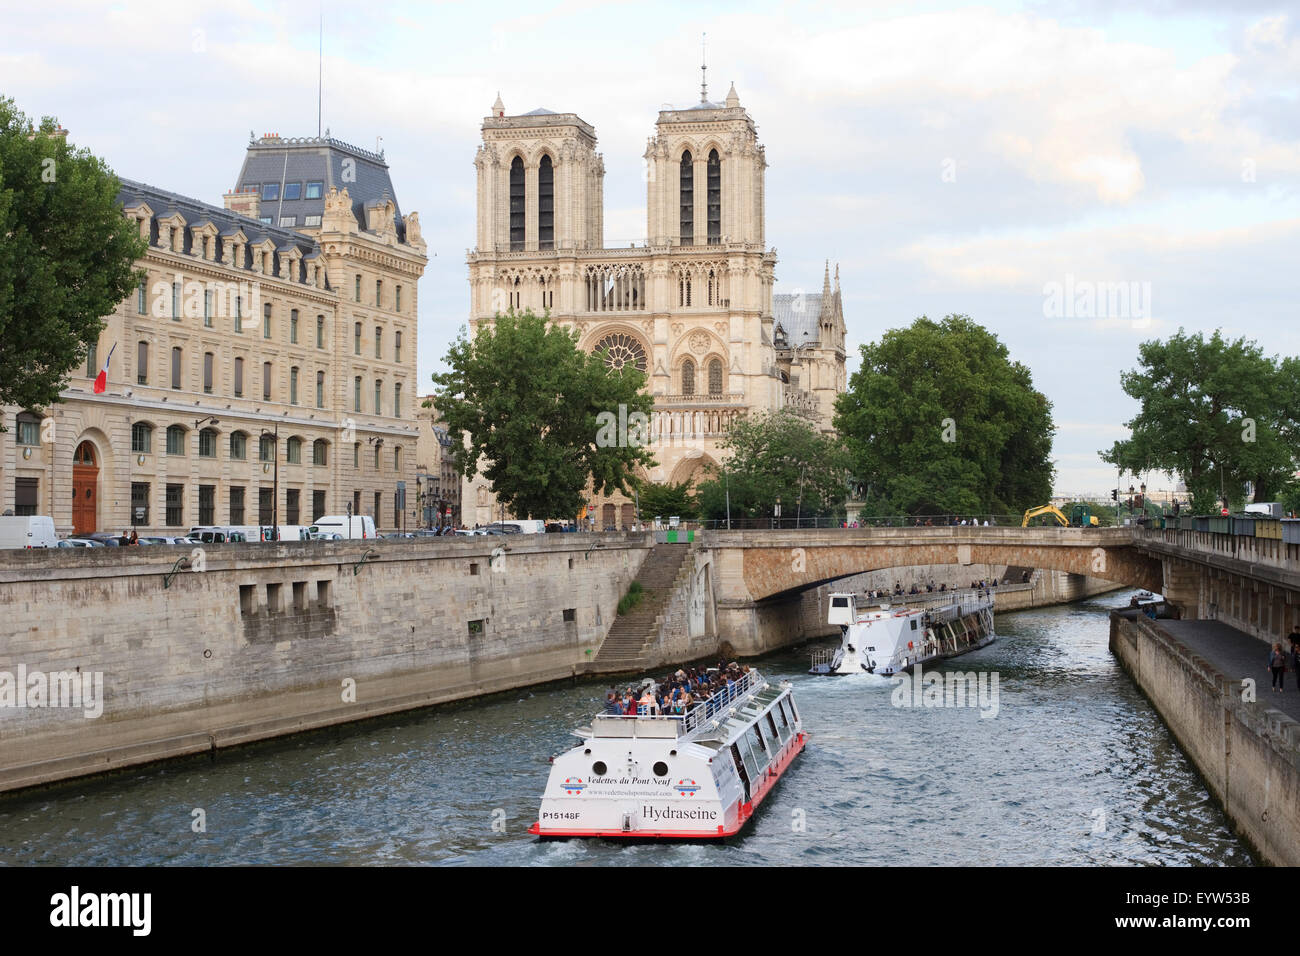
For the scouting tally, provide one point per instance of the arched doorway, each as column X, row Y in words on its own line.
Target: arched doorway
column 85, row 489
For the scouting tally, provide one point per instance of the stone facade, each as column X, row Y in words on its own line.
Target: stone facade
column 690, row 304
column 242, row 327
column 437, row 471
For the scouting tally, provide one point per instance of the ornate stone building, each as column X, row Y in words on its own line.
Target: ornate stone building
column 691, row 306
column 272, row 346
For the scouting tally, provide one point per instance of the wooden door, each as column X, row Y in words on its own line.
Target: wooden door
column 85, row 489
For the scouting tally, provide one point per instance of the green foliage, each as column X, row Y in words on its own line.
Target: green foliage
column 67, row 256
column 632, row 599
column 537, row 411
column 667, row 500
column 1215, row 412
column 938, row 420
column 777, row 455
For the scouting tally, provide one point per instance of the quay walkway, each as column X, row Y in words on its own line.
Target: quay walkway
column 1237, row 655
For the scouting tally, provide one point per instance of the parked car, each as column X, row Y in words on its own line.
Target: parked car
column 106, row 539
column 79, row 543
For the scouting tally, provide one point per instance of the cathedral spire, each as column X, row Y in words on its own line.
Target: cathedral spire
column 826, row 280
column 498, row 108
column 704, row 70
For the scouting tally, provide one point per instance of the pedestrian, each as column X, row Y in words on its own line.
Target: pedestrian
column 1277, row 664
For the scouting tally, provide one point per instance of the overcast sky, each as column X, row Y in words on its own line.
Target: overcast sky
column 1000, row 161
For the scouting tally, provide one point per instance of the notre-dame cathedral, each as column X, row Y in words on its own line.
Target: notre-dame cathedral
column 691, row 306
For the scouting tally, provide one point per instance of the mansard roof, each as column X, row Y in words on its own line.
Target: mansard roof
column 798, row 316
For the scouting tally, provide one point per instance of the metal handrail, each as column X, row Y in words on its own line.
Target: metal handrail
column 706, row 709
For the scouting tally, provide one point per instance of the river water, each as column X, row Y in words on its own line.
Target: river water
column 1075, row 768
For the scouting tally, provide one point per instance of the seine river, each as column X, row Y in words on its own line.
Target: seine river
column 1074, row 769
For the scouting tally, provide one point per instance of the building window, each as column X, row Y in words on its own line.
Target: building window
column 176, row 440
column 715, row 377
column 379, row 342
column 270, row 191
column 207, row 448
column 517, row 205
column 315, row 190
column 320, row 331
column 356, row 455
column 397, row 458
column 356, row 394
column 293, row 452
column 239, row 446
column 291, row 497
column 142, row 363
column 92, row 360
column 266, row 381
column 397, row 346
column 292, row 191
column 239, row 313
column 176, row 301
column 397, row 399
column 208, row 360
column 266, row 448
column 687, row 231
column 377, row 462
column 176, row 367
column 378, row 506
column 545, row 204
column 356, row 339
column 29, row 429
column 317, row 505
column 141, row 438
column 207, row 308
column 320, row 389
column 293, row 326
column 239, row 378
column 714, row 197
column 293, row 385
column 320, row 452
column 357, row 290
column 139, row 502
column 27, row 495
column 237, row 504
column 379, row 293
column 141, row 303
column 265, row 506
column 175, row 505
column 266, row 320
column 379, row 390
column 207, row 504
column 397, row 299
column 311, row 221
column 688, row 377
column 356, row 502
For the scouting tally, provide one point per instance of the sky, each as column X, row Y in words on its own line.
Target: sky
column 1077, row 177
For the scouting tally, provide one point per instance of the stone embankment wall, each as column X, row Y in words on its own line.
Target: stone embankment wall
column 1248, row 755
column 260, row 640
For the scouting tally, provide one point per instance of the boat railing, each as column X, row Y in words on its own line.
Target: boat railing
column 700, row 713
column 824, row 656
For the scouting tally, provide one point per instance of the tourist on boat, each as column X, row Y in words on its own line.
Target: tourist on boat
column 649, row 706
column 613, row 706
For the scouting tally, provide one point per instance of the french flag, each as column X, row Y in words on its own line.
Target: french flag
column 101, row 380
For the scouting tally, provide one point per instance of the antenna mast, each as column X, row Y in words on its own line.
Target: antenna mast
column 320, row 69
column 704, row 70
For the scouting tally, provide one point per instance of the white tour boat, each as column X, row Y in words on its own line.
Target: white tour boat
column 700, row 775
column 888, row 640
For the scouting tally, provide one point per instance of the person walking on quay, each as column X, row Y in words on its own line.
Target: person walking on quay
column 1277, row 664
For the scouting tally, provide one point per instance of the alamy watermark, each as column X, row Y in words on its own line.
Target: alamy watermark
column 1083, row 299
column 65, row 689
column 950, row 689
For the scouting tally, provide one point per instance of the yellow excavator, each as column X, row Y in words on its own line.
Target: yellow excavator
column 1080, row 517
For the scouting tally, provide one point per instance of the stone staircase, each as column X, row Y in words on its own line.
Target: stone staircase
column 665, row 570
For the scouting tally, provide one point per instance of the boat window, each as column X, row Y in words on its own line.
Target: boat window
column 771, row 723
column 914, row 624
column 751, row 764
column 839, row 602
column 794, row 711
column 741, row 768
column 599, row 768
column 768, row 741
column 660, row 769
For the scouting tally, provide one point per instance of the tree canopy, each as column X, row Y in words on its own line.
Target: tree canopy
column 543, row 417
column 938, row 419
column 1216, row 412
column 777, row 456
column 67, row 256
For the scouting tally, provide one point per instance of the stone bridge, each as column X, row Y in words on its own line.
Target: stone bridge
column 758, row 576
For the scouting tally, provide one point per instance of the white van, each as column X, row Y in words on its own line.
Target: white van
column 358, row 526
column 288, row 532
column 27, row 531
column 521, row 526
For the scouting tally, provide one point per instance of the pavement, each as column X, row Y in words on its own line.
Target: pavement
column 1237, row 655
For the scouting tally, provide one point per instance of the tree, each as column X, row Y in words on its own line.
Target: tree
column 67, row 256
column 667, row 500
column 545, row 418
column 939, row 420
column 1215, row 412
column 778, row 456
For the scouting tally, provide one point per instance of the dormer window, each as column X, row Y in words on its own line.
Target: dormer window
column 315, row 190
column 292, row 191
column 270, row 192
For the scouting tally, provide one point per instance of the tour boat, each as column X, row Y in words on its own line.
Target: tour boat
column 695, row 776
column 889, row 641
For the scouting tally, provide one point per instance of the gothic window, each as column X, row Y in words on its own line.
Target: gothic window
column 517, row 205
column 715, row 198
column 545, row 205
column 715, row 377
column 687, row 200
column 688, row 377
column 621, row 351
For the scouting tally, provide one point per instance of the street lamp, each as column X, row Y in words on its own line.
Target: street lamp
column 275, row 504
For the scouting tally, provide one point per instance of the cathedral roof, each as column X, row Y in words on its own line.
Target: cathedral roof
column 541, row 111
column 797, row 315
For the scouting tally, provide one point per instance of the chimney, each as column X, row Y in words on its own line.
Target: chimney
column 246, row 203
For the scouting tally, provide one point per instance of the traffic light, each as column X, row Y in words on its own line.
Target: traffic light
column 1114, row 494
